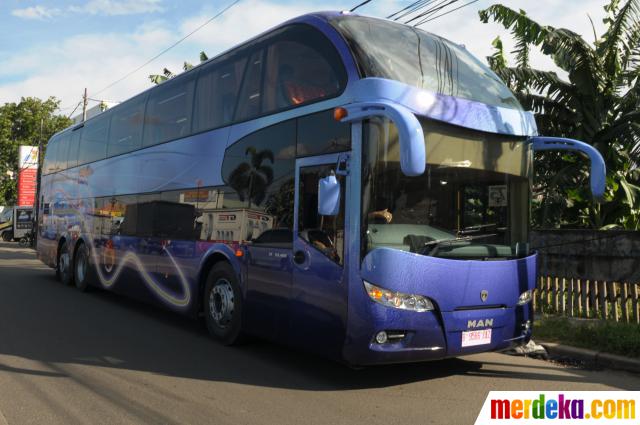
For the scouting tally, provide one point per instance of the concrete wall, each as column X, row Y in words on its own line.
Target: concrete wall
column 609, row 255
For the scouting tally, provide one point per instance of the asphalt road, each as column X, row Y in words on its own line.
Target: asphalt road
column 68, row 357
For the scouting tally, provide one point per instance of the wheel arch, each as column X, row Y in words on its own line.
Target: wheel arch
column 217, row 254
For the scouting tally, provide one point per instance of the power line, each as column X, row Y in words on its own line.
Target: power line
column 437, row 7
column 403, row 9
column 359, row 5
column 412, row 8
column 104, row 100
column 74, row 109
column 168, row 48
column 445, row 13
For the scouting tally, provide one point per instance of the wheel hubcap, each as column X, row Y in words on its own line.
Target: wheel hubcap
column 221, row 304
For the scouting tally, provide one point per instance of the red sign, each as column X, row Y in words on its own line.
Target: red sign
column 27, row 180
column 27, row 175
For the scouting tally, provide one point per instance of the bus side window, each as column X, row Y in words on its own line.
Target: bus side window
column 93, row 144
column 74, row 147
column 175, row 214
column 168, row 114
column 216, row 93
column 126, row 127
column 116, row 210
column 251, row 93
column 259, row 172
column 302, row 67
column 50, row 156
column 63, row 149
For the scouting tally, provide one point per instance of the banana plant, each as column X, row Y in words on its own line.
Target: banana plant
column 168, row 74
column 598, row 103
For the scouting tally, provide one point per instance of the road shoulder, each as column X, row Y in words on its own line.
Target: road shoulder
column 594, row 358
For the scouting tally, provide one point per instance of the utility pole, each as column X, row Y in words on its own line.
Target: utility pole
column 84, row 105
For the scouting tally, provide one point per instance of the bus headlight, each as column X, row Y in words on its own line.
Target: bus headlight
column 398, row 299
column 525, row 297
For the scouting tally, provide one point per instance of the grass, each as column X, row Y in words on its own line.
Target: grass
column 610, row 337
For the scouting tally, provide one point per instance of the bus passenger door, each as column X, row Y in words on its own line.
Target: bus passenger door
column 319, row 292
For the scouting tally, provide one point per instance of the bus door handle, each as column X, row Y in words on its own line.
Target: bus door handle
column 299, row 257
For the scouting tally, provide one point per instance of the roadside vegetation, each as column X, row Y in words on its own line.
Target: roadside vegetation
column 596, row 100
column 598, row 335
column 24, row 123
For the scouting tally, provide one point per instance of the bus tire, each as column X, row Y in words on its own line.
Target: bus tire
column 82, row 268
column 222, row 304
column 7, row 236
column 63, row 268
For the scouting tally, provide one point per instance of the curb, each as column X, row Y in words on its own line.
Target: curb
column 594, row 358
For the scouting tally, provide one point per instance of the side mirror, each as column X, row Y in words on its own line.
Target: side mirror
column 598, row 172
column 412, row 151
column 329, row 196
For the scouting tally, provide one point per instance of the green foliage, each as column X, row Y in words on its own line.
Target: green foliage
column 610, row 337
column 20, row 124
column 167, row 74
column 599, row 104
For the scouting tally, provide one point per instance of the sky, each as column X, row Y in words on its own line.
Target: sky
column 57, row 48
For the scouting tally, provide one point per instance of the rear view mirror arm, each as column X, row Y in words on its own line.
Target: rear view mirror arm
column 412, row 149
column 598, row 171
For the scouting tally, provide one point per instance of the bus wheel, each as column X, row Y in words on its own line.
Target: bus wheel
column 7, row 236
column 82, row 268
column 223, row 304
column 63, row 270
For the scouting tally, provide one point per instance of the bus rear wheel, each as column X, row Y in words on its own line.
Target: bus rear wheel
column 7, row 236
column 223, row 305
column 82, row 268
column 63, row 269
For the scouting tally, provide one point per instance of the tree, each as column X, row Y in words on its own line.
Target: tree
column 599, row 104
column 252, row 179
column 24, row 123
column 167, row 74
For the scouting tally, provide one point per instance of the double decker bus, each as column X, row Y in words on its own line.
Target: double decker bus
column 340, row 184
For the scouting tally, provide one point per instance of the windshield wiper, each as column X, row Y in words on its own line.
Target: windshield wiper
column 478, row 228
column 440, row 242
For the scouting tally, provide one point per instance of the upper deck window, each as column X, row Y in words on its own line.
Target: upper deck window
column 251, row 93
column 216, row 93
column 74, row 147
column 126, row 127
column 51, row 154
column 294, row 67
column 63, row 151
column 93, row 144
column 302, row 67
column 168, row 114
column 398, row 52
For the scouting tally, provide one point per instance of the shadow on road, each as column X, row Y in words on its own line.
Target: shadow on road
column 44, row 321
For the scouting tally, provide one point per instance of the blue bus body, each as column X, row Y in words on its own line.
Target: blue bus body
column 318, row 301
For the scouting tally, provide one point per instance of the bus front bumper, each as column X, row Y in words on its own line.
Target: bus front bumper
column 415, row 337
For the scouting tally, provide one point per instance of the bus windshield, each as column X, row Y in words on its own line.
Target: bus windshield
column 399, row 52
column 472, row 202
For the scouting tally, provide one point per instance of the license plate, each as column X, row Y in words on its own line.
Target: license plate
column 471, row 338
